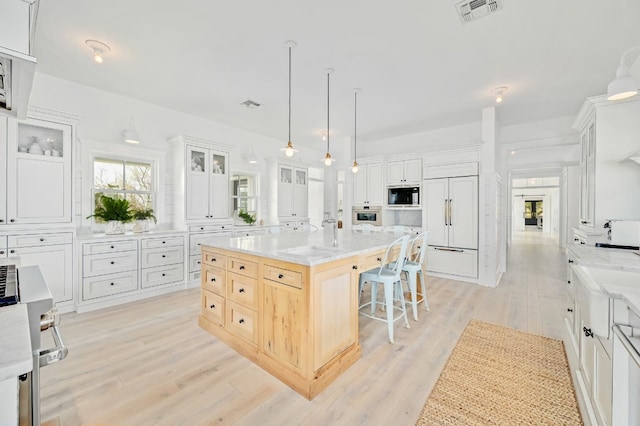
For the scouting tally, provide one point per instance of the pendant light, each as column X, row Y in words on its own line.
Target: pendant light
column 289, row 150
column 327, row 158
column 354, row 168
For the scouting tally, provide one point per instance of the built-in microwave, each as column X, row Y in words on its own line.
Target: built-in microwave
column 370, row 216
column 403, row 195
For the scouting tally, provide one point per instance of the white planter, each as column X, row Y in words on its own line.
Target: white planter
column 114, row 227
column 141, row 225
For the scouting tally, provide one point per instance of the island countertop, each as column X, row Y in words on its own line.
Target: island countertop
column 304, row 248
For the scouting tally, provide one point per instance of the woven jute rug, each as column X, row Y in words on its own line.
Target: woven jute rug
column 500, row 376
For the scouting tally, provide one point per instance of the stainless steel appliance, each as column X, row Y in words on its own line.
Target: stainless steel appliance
column 33, row 291
column 403, row 196
column 371, row 216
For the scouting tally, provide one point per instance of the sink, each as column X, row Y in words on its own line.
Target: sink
column 313, row 251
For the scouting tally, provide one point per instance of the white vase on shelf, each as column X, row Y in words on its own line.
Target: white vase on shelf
column 114, row 227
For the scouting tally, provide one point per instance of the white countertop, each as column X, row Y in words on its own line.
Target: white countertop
column 15, row 342
column 607, row 258
column 350, row 243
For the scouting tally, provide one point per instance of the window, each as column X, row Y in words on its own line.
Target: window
column 244, row 195
column 131, row 180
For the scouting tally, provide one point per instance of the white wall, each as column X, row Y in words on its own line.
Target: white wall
column 105, row 115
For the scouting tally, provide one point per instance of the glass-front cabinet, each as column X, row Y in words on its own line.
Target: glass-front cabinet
column 207, row 184
column 292, row 192
column 38, row 184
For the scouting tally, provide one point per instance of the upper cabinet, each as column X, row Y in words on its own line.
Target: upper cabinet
column 293, row 198
column 404, row 172
column 35, row 172
column 201, row 184
column 368, row 187
column 609, row 131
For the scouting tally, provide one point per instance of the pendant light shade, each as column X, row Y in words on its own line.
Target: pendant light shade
column 354, row 168
column 289, row 150
column 131, row 135
column 624, row 85
column 327, row 158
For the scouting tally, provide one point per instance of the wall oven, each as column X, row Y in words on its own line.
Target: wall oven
column 371, row 216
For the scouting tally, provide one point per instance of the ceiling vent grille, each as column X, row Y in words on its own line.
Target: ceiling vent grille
column 470, row 10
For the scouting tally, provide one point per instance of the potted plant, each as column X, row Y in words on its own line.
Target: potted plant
column 115, row 212
column 248, row 218
column 143, row 218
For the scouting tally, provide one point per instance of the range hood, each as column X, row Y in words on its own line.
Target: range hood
column 17, row 66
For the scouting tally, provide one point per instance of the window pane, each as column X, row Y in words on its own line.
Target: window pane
column 139, row 201
column 107, row 174
column 243, row 185
column 138, row 176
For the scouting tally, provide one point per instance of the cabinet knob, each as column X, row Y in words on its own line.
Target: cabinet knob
column 280, row 276
column 354, row 267
column 202, row 228
column 241, row 321
column 164, row 242
column 164, row 275
column 569, row 310
column 112, row 284
column 12, row 251
column 41, row 239
column 568, row 281
column 223, row 227
column 213, row 259
column 164, row 255
column 112, row 262
column 1, row 220
column 379, row 259
column 212, row 306
column 570, row 260
column 587, row 332
column 213, row 280
column 12, row 220
column 241, row 267
column 112, row 247
column 199, row 263
column 1, row 251
column 241, row 290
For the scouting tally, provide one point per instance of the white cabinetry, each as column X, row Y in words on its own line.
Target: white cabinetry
column 199, row 235
column 404, row 172
column 368, row 185
column 201, row 181
column 608, row 132
column 52, row 252
column 451, row 216
column 130, row 267
column 293, row 198
column 35, row 171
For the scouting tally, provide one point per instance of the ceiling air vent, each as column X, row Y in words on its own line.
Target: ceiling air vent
column 470, row 10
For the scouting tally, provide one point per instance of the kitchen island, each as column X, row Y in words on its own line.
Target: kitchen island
column 289, row 302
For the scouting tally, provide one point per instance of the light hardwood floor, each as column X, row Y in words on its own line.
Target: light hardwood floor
column 148, row 363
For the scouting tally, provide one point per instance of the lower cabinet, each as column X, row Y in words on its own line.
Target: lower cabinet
column 52, row 252
column 199, row 235
column 114, row 267
column 300, row 323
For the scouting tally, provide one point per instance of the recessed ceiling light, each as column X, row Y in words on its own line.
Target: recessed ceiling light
column 498, row 92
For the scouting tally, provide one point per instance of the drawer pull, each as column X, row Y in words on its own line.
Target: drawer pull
column 241, row 290
column 164, row 242
column 587, row 332
column 164, row 255
column 12, row 220
column 241, row 321
column 568, row 281
column 112, row 284
column 1, row 251
column 164, row 275
column 354, row 267
column 212, row 306
column 41, row 239
column 570, row 260
column 379, row 259
column 569, row 310
column 112, row 247
column 446, row 249
column 280, row 276
column 213, row 280
column 12, row 251
column 213, row 259
column 113, row 263
column 199, row 263
column 241, row 267
column 202, row 228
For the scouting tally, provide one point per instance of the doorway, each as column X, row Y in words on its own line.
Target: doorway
column 533, row 212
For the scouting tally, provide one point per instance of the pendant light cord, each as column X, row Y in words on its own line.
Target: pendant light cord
column 289, row 94
column 355, row 125
column 328, row 73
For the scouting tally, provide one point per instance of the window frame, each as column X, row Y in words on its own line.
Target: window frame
column 256, row 197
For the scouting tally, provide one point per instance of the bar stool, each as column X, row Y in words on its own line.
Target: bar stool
column 414, row 267
column 388, row 274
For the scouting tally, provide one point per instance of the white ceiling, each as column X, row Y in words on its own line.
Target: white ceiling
column 418, row 66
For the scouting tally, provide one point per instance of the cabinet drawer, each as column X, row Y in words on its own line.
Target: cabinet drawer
column 284, row 276
column 242, row 290
column 214, row 259
column 109, row 247
column 372, row 260
column 108, row 285
column 162, row 256
column 461, row 262
column 40, row 239
column 195, row 277
column 241, row 321
column 221, row 227
column 98, row 264
column 195, row 263
column 213, row 307
column 214, row 279
column 242, row 267
column 196, row 241
column 162, row 275
column 149, row 243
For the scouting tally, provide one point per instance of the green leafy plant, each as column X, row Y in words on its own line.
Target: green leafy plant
column 109, row 209
column 142, row 214
column 248, row 218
